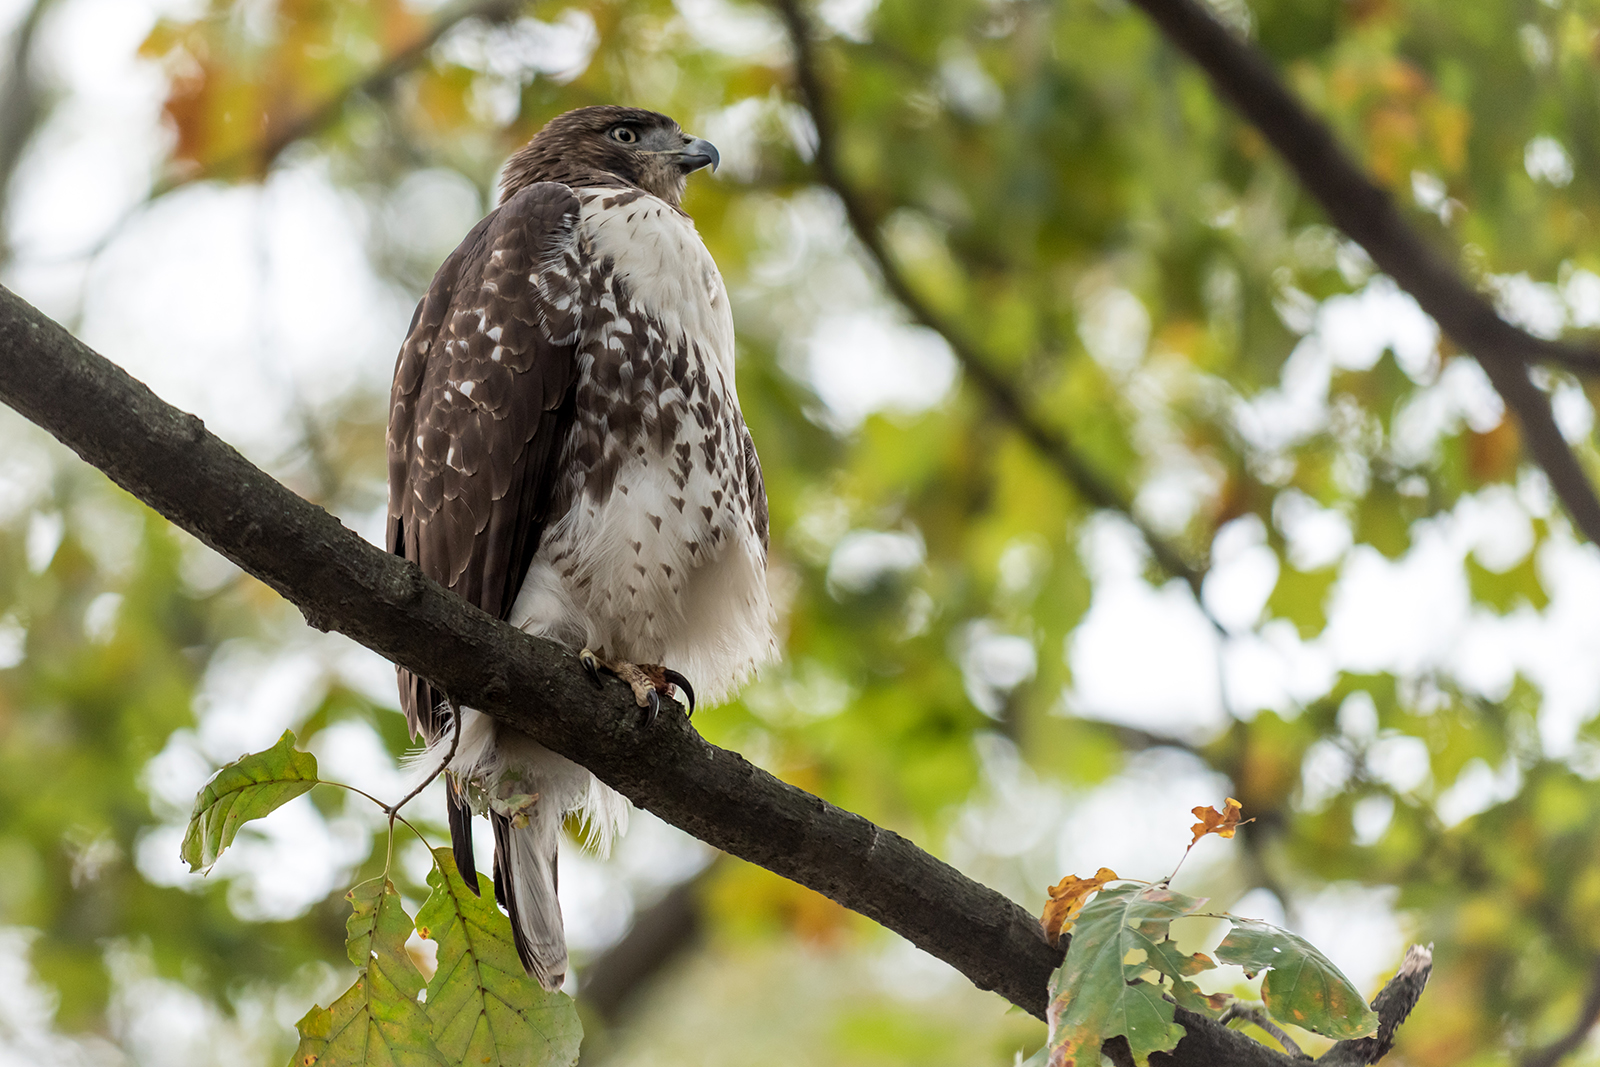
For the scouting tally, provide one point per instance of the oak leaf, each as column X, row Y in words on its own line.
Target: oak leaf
column 1067, row 898
column 1222, row 823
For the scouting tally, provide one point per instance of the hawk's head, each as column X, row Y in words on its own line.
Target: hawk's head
column 598, row 145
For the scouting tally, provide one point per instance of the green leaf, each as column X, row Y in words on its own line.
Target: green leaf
column 378, row 1021
column 1097, row 992
column 1504, row 590
column 1303, row 986
column 484, row 1007
column 251, row 787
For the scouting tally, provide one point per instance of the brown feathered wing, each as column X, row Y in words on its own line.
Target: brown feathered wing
column 481, row 403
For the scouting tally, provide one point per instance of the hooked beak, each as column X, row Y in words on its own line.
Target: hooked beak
column 698, row 153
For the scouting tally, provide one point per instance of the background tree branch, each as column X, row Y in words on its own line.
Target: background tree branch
column 1569, row 1042
column 1368, row 214
column 169, row 460
column 22, row 108
column 1048, row 441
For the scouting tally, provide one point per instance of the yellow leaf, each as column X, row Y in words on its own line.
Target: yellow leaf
column 1222, row 823
column 1067, row 898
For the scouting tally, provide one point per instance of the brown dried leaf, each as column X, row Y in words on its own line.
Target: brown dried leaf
column 1222, row 823
column 1067, row 898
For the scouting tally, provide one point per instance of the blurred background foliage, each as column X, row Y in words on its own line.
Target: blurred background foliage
column 1391, row 659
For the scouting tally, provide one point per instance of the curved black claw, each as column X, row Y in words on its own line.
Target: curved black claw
column 591, row 664
column 682, row 683
column 653, row 710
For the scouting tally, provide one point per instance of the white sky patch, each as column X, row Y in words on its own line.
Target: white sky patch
column 1547, row 161
column 1357, row 928
column 250, row 694
column 1350, row 333
column 1317, row 537
column 98, row 151
column 45, row 531
column 1142, row 655
column 100, row 617
column 1537, row 307
column 868, row 362
column 249, row 306
column 848, row 18
column 743, row 30
column 993, row 663
column 1114, row 326
column 514, row 52
column 1138, row 823
column 863, row 557
column 27, row 1015
column 429, row 210
column 966, row 87
column 1244, row 570
column 1403, row 616
column 13, row 641
column 1273, row 669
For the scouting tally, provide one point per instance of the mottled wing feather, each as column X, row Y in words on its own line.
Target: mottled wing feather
column 481, row 401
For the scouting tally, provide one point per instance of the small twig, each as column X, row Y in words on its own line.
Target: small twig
column 1393, row 1003
column 444, row 765
column 1256, row 1014
column 1588, row 1015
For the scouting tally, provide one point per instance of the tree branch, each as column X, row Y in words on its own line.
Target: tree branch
column 1393, row 1003
column 21, row 110
column 1048, row 441
column 169, row 460
column 1368, row 214
column 1588, row 1015
column 261, row 155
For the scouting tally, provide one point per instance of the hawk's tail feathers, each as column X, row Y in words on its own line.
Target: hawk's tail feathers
column 525, row 880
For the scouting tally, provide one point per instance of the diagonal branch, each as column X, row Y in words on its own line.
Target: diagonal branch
column 1551, row 1054
column 1366, row 212
column 261, row 155
column 1002, row 393
column 169, row 460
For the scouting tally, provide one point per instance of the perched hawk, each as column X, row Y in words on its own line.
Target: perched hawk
column 566, row 451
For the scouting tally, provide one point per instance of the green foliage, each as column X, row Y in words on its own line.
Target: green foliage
column 251, row 787
column 378, row 1022
column 1302, row 986
column 1034, row 165
column 483, row 1007
column 1098, row 992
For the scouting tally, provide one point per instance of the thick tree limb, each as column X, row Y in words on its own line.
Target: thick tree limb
column 1366, row 212
column 1393, row 1003
column 1048, row 441
column 169, row 460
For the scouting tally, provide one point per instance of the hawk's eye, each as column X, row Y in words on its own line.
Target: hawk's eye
column 624, row 134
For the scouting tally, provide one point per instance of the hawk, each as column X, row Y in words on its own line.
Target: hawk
column 566, row 451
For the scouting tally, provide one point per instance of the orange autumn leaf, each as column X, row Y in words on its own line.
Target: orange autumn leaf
column 1222, row 823
column 1067, row 898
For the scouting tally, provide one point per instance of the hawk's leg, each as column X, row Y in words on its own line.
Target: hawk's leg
column 649, row 682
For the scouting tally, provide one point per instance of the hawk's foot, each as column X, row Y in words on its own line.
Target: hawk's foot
column 649, row 682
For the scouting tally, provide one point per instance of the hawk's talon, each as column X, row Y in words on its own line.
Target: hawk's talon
column 592, row 665
column 682, row 683
column 649, row 682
